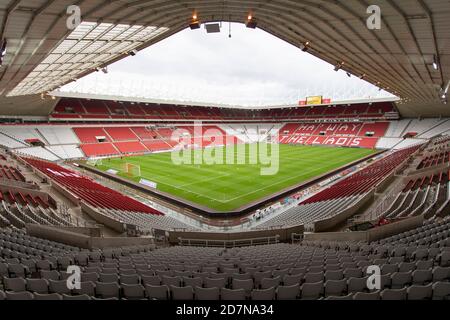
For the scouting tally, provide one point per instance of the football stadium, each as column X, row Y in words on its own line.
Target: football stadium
column 145, row 195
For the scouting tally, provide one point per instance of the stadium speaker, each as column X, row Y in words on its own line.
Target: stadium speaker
column 194, row 25
column 212, row 27
column 252, row 24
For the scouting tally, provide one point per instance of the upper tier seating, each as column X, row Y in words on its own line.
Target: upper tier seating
column 121, row 134
column 10, row 142
column 21, row 133
column 91, row 135
column 376, row 129
column 57, row 135
column 88, row 190
column 98, row 109
column 95, row 107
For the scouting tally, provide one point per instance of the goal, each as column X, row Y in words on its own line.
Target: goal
column 133, row 170
column 95, row 162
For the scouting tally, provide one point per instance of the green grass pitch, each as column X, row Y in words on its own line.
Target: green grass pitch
column 225, row 187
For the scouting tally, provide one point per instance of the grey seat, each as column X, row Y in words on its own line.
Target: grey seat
column 422, row 277
column 133, row 291
column 30, row 264
column 50, row 274
column 127, row 272
column 157, row 292
column 193, row 282
column 82, row 259
column 258, row 276
column 151, row 280
column 441, row 274
column 37, row 285
column 241, row 276
column 44, row 265
column 182, row 293
column 401, row 279
column 80, row 297
column 334, row 275
column 3, row 270
column 316, row 269
column 59, row 286
column 296, row 271
column 416, row 292
column 171, row 281
column 353, row 273
column 280, row 273
column 335, row 287
column 64, row 262
column 107, row 290
column 46, row 296
column 263, row 294
column 367, row 296
column 232, row 294
column 288, row 292
column 247, row 285
column 424, row 265
column 18, row 270
column 441, row 291
column 444, row 259
column 290, row 280
column 420, row 254
column 24, row 295
column 312, row 291
column 393, row 294
column 314, row 277
column 215, row 283
column 108, row 277
column 2, row 295
column 86, row 288
column 15, row 284
column 407, row 266
column 130, row 279
column 389, row 268
column 91, row 276
column 207, row 293
column 267, row 283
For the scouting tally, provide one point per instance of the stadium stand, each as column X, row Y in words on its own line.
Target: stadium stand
column 415, row 266
column 343, row 194
column 134, row 238
column 97, row 109
column 88, row 190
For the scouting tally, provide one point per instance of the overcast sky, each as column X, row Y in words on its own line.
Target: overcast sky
column 253, row 68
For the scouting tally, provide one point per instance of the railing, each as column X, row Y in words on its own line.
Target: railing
column 229, row 243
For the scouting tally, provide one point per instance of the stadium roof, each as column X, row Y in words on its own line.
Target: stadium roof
column 42, row 53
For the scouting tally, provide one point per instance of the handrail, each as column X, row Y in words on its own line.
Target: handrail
column 229, row 243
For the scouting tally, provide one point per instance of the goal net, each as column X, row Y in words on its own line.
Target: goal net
column 133, row 170
column 95, row 162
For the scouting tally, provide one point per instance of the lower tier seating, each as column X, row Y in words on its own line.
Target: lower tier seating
column 88, row 190
column 415, row 265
